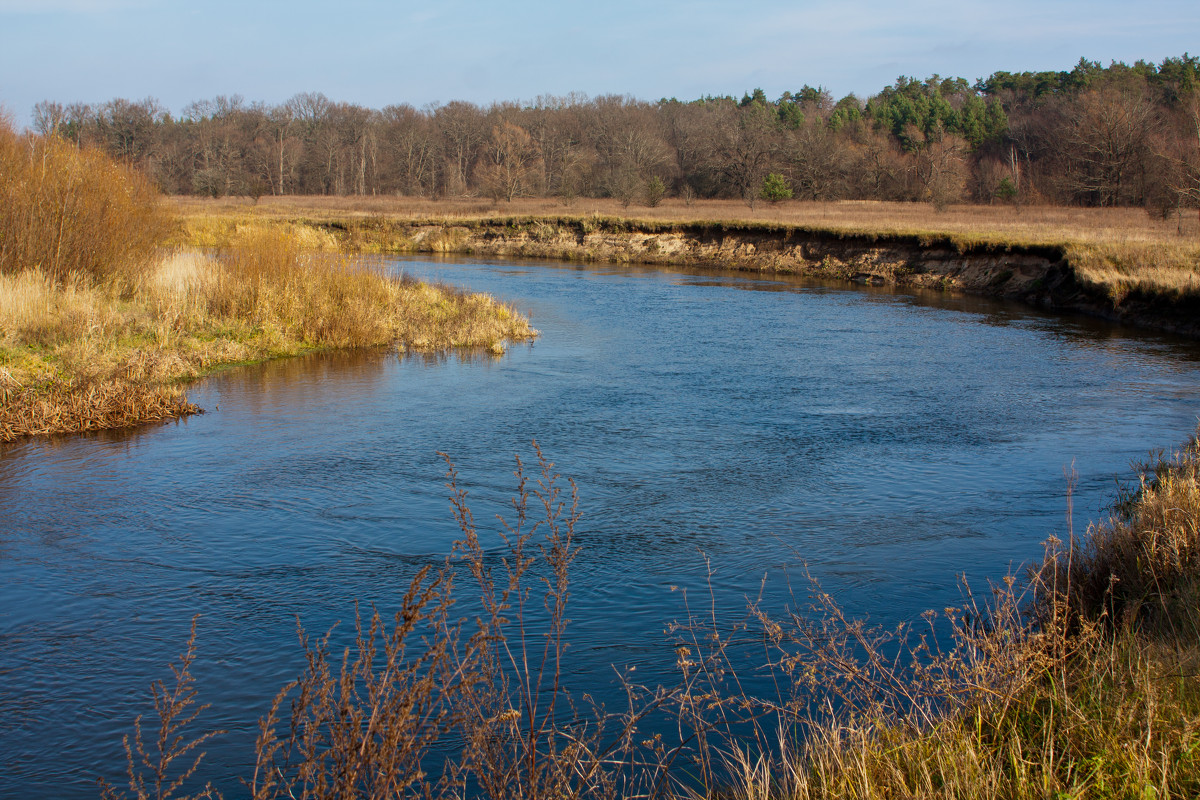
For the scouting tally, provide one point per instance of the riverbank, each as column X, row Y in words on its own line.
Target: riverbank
column 79, row 356
column 1113, row 263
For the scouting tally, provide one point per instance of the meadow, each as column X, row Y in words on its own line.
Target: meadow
column 1118, row 252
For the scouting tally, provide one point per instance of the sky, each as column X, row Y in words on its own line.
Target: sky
column 377, row 53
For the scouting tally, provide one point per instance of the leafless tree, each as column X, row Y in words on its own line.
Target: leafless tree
column 1104, row 144
column 410, row 149
column 509, row 162
column 463, row 130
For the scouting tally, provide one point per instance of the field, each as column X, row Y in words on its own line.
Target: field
column 1118, row 252
column 1027, row 225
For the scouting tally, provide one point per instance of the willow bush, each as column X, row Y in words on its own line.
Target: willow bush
column 71, row 211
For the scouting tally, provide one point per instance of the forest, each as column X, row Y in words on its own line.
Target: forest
column 1121, row 135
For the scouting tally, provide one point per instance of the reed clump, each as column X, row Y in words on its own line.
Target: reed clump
column 1054, row 686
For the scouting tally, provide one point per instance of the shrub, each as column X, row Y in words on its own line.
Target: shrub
column 73, row 211
column 655, row 191
column 775, row 188
column 1006, row 190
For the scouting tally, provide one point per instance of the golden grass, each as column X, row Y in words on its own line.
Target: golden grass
column 77, row 356
column 1112, row 723
column 1047, row 225
column 1169, row 270
column 1116, row 251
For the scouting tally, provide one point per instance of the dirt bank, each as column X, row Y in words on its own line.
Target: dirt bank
column 1045, row 276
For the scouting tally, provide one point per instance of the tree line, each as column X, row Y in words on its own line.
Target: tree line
column 1119, row 135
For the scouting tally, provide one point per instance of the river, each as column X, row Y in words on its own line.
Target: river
column 720, row 428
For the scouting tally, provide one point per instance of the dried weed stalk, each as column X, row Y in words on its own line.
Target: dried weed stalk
column 1031, row 691
column 160, row 770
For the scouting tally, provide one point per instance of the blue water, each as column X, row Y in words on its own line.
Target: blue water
column 718, row 422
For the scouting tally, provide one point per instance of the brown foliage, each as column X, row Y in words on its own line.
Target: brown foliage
column 68, row 210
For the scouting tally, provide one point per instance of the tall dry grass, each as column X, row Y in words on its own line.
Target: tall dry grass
column 269, row 281
column 69, row 211
column 76, row 355
column 1045, row 689
column 1142, row 569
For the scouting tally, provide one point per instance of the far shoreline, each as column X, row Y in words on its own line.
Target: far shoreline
column 1117, row 264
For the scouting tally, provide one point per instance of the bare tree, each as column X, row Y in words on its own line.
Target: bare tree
column 314, row 169
column 509, row 162
column 628, row 139
column 49, row 117
column 410, row 147
column 463, row 130
column 942, row 170
column 817, row 161
column 128, row 130
column 747, row 150
column 555, row 127
column 1104, row 144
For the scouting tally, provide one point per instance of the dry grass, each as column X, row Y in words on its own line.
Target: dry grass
column 1142, row 569
column 98, row 326
column 1052, row 225
column 76, row 356
column 1082, row 683
column 1119, row 251
column 1151, row 270
column 1050, row 689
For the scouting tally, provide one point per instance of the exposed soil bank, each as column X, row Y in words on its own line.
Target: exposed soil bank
column 1041, row 275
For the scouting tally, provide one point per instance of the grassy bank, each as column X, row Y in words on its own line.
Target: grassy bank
column 101, row 322
column 1045, row 225
column 1113, row 253
column 1078, row 680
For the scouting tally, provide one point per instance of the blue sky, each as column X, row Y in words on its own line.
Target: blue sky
column 376, row 53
